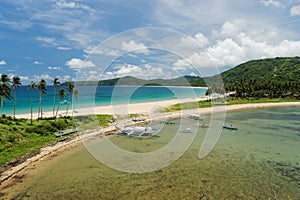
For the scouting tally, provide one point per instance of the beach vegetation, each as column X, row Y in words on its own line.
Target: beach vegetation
column 19, row 137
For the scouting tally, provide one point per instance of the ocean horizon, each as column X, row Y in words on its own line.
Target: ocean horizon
column 98, row 96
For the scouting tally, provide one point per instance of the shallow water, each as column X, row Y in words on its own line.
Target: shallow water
column 259, row 161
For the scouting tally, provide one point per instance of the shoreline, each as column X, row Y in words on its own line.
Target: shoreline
column 48, row 151
column 134, row 108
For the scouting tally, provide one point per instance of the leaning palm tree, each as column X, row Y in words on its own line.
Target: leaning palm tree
column 55, row 84
column 70, row 89
column 61, row 94
column 32, row 86
column 42, row 90
column 15, row 84
column 5, row 91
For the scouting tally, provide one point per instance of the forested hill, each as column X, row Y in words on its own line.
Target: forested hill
column 285, row 69
column 270, row 69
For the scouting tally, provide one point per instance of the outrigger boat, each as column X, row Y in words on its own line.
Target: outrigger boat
column 137, row 131
column 230, row 127
column 196, row 117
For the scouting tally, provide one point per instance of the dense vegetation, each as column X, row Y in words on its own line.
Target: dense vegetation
column 19, row 136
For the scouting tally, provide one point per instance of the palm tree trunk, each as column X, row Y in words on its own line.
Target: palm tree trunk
column 40, row 106
column 31, row 108
column 54, row 101
column 57, row 111
column 68, row 105
column 1, row 107
column 15, row 103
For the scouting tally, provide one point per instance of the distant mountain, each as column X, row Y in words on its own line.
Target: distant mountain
column 285, row 69
column 129, row 80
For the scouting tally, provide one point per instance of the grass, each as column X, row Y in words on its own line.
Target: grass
column 230, row 101
column 19, row 137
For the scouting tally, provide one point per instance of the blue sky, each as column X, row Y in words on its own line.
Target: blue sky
column 92, row 39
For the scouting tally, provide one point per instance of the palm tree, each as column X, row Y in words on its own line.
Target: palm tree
column 5, row 91
column 55, row 84
column 75, row 95
column 42, row 90
column 15, row 84
column 32, row 86
column 61, row 94
column 71, row 91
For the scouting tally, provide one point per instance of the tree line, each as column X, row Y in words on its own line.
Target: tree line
column 258, row 89
column 8, row 91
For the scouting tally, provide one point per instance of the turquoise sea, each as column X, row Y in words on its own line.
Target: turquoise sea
column 259, row 161
column 100, row 96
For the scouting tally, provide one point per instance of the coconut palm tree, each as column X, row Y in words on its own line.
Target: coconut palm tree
column 42, row 90
column 55, row 84
column 32, row 86
column 75, row 95
column 70, row 89
column 5, row 91
column 61, row 94
column 15, row 84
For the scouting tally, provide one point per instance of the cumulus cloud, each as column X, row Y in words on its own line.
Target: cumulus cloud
column 147, row 71
column 271, row 3
column 38, row 78
column 76, row 63
column 103, row 51
column 295, row 10
column 2, row 62
column 201, row 39
column 237, row 45
column 134, row 46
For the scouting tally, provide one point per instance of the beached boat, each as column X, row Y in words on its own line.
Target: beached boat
column 167, row 122
column 65, row 132
column 230, row 127
column 196, row 117
column 137, row 131
column 187, row 130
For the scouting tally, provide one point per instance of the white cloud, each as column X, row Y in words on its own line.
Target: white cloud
column 134, row 46
column 76, row 63
column 72, row 5
column 38, row 78
column 201, row 39
column 37, row 62
column 271, row 3
column 64, row 48
column 47, row 40
column 2, row 62
column 102, row 50
column 24, row 78
column 147, row 71
column 295, row 10
column 54, row 68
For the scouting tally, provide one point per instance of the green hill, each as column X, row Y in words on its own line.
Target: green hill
column 270, row 69
column 285, row 69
